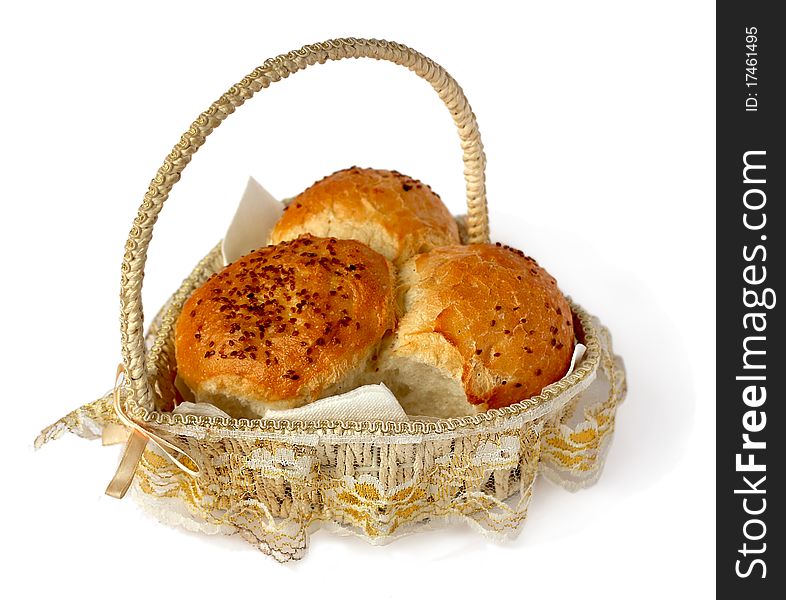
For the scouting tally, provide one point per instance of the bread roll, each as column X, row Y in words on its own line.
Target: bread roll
column 484, row 327
column 285, row 325
column 394, row 214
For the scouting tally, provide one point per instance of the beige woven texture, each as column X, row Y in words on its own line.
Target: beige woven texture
column 274, row 481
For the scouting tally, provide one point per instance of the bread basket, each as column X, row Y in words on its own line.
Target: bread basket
column 275, row 481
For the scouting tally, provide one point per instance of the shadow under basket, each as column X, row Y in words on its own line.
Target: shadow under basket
column 275, row 481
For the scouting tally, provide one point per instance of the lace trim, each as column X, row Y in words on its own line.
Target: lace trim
column 275, row 490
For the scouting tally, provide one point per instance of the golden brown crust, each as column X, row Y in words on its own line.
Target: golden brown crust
column 394, row 214
column 486, row 315
column 284, row 323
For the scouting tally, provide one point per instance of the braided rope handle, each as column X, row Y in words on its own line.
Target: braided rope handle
column 275, row 69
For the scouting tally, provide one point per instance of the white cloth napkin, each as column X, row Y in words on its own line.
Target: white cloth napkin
column 366, row 403
column 254, row 219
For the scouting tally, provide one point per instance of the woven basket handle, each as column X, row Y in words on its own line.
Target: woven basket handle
column 275, row 69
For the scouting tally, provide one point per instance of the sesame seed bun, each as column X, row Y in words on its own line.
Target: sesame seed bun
column 394, row 214
column 285, row 325
column 484, row 327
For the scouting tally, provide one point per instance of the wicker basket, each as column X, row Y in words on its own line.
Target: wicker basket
column 273, row 481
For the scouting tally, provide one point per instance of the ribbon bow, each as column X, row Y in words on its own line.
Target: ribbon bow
column 137, row 443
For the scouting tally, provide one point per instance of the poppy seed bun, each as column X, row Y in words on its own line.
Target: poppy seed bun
column 285, row 325
column 394, row 214
column 484, row 327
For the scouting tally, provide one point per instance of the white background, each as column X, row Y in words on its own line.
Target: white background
column 598, row 122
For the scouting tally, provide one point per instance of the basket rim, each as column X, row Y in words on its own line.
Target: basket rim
column 526, row 409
